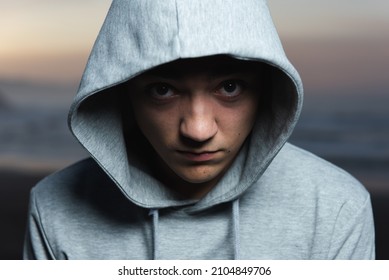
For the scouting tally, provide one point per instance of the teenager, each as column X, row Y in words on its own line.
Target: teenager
column 185, row 108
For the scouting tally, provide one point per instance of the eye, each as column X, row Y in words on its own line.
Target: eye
column 161, row 91
column 230, row 88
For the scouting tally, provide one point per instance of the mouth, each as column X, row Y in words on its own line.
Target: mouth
column 201, row 156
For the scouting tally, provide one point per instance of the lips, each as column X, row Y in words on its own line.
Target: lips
column 199, row 156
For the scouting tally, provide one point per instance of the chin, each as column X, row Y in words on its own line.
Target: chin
column 199, row 178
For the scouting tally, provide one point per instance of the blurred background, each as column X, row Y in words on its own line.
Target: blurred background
column 341, row 49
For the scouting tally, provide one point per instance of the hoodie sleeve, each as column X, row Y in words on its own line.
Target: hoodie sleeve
column 353, row 234
column 36, row 245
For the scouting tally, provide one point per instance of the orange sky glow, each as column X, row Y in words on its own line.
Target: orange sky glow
column 345, row 42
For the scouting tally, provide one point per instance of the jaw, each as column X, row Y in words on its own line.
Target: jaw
column 192, row 182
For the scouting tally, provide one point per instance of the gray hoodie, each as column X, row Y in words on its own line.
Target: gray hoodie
column 276, row 201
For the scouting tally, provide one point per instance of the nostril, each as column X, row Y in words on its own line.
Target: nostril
column 199, row 130
column 191, row 143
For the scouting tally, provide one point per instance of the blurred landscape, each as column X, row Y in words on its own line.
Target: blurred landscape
column 341, row 50
column 349, row 129
column 33, row 124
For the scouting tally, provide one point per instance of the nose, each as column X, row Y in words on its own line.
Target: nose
column 198, row 121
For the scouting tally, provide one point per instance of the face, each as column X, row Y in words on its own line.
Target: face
column 196, row 114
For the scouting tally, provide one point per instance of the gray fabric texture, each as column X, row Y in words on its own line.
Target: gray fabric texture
column 276, row 201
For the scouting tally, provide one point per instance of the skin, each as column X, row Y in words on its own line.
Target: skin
column 196, row 114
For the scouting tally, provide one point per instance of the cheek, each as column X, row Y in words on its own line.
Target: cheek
column 143, row 119
column 158, row 127
column 250, row 112
column 239, row 121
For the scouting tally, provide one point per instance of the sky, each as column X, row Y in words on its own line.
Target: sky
column 332, row 43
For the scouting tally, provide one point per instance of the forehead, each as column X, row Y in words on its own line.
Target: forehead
column 213, row 65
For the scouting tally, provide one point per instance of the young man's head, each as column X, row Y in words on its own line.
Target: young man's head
column 198, row 85
column 196, row 114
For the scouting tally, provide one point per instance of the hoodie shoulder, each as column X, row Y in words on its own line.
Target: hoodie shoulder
column 76, row 191
column 79, row 203
column 75, row 176
column 330, row 204
column 311, row 172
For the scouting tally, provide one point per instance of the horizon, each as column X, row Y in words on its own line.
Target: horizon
column 49, row 41
column 36, row 90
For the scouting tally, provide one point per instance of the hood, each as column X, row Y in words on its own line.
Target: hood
column 139, row 35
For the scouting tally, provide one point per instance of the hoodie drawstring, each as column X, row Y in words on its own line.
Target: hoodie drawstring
column 235, row 230
column 155, row 214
